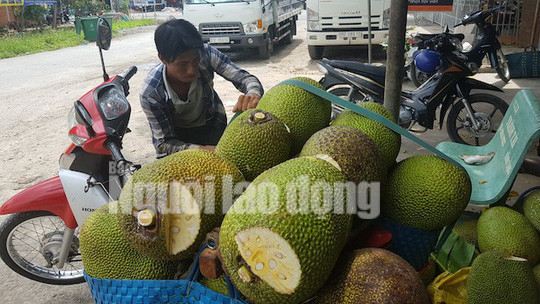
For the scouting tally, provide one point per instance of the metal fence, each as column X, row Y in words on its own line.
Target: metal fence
column 507, row 21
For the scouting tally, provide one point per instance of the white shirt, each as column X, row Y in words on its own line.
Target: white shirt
column 191, row 112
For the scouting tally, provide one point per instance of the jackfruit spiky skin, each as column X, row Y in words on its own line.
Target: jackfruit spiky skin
column 373, row 275
column 426, row 192
column 355, row 152
column 255, row 142
column 531, row 208
column 305, row 246
column 106, row 253
column 499, row 279
column 506, row 230
column 388, row 141
column 468, row 231
column 303, row 112
column 536, row 271
column 184, row 192
column 217, row 285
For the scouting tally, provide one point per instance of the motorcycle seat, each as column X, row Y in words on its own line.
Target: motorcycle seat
column 425, row 36
column 376, row 73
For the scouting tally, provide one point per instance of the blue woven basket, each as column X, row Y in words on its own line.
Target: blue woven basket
column 413, row 245
column 106, row 291
column 154, row 292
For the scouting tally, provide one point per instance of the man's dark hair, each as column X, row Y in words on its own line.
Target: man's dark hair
column 175, row 37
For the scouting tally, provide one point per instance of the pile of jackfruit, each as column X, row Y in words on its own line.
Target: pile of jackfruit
column 291, row 191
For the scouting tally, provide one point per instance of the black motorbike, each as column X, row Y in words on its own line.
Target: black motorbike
column 472, row 118
column 485, row 44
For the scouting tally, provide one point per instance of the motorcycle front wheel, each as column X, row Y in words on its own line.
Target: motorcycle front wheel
column 502, row 66
column 29, row 242
column 489, row 111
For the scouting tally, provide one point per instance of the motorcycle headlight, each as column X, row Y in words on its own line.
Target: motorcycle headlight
column 72, row 123
column 113, row 103
column 386, row 18
column 72, row 119
column 252, row 27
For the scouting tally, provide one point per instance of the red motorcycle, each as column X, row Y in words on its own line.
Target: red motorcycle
column 39, row 239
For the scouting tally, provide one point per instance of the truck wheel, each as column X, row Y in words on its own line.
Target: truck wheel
column 315, row 52
column 265, row 51
column 289, row 38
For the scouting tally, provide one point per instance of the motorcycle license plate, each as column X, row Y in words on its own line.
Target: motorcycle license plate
column 220, row 40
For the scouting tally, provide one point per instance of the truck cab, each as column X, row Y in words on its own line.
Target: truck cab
column 345, row 22
column 244, row 24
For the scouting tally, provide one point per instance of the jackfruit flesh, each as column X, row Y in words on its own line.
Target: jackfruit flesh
column 169, row 205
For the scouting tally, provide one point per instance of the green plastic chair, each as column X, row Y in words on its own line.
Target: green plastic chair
column 519, row 129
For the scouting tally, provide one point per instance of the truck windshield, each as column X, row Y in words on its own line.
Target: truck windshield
column 215, row 1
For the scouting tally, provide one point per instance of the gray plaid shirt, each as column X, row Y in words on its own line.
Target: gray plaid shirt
column 159, row 108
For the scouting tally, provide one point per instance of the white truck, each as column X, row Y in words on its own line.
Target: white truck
column 145, row 5
column 242, row 24
column 345, row 22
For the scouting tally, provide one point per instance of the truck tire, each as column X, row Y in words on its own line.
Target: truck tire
column 289, row 38
column 265, row 51
column 315, row 52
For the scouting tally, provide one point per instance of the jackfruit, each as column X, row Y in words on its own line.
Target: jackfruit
column 536, row 271
column 388, row 141
column 255, row 142
column 373, row 275
column 218, row 285
column 168, row 206
column 426, row 192
column 106, row 253
column 468, row 231
column 496, row 278
column 353, row 150
column 303, row 112
column 506, row 230
column 281, row 238
column 531, row 208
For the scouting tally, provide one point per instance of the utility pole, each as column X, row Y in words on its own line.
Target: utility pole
column 395, row 64
column 370, row 45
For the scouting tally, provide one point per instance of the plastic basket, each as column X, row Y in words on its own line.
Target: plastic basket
column 107, row 291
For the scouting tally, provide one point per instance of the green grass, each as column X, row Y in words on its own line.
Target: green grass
column 122, row 25
column 49, row 39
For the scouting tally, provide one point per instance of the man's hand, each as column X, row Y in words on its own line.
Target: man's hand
column 208, row 148
column 246, row 102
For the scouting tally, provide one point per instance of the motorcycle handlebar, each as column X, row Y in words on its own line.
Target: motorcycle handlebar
column 132, row 71
column 115, row 152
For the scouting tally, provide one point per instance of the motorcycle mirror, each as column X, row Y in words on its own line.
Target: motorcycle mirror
column 104, row 37
column 104, row 34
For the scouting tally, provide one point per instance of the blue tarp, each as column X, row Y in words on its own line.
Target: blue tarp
column 40, row 2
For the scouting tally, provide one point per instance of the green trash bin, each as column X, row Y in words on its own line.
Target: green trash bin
column 89, row 26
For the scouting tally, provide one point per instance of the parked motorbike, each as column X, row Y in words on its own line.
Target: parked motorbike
column 472, row 118
column 485, row 44
column 39, row 239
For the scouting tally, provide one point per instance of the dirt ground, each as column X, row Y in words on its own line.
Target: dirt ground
column 36, row 98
